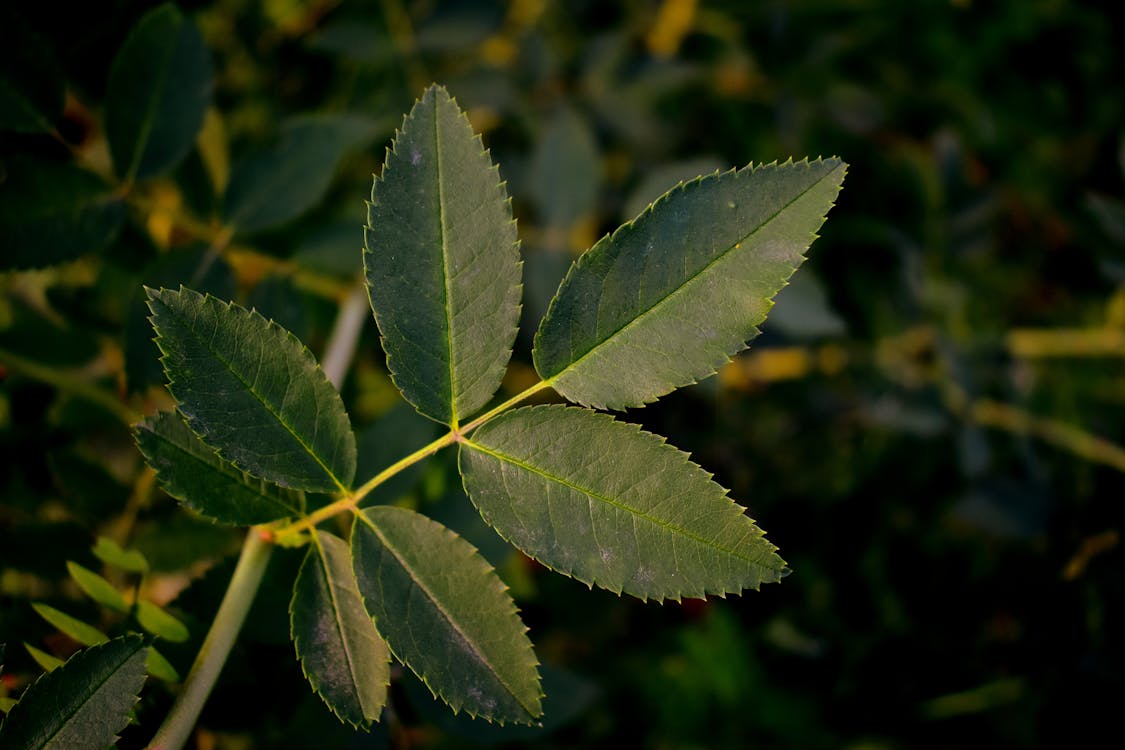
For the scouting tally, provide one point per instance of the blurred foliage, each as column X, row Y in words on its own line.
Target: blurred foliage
column 929, row 427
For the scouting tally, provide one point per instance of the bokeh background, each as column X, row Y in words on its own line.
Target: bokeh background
column 929, row 427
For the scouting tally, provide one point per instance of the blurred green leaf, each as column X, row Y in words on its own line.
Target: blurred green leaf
column 52, row 212
column 222, row 359
column 43, row 659
column 159, row 667
column 341, row 652
column 81, row 705
column 31, row 82
column 97, row 588
column 667, row 299
column 159, row 87
column 85, row 634
column 109, row 552
column 161, row 624
column 565, row 170
column 442, row 261
column 278, row 184
column 445, row 614
column 612, row 506
column 193, row 473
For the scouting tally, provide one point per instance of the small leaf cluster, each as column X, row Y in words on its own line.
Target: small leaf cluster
column 660, row 303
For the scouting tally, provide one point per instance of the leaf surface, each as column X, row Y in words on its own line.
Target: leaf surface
column 279, row 183
column 97, row 588
column 612, row 506
column 190, row 471
column 445, row 614
column 159, row 87
column 82, row 704
column 161, row 624
column 52, row 212
column 442, row 263
column 111, row 553
column 253, row 392
column 85, row 634
column 668, row 298
column 342, row 654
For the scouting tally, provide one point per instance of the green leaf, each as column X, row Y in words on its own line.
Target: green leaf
column 159, row 87
column 668, row 298
column 161, row 624
column 43, row 659
column 343, row 656
column 564, row 171
column 111, row 553
column 278, row 184
column 613, row 506
column 442, row 263
column 159, row 667
column 97, row 588
column 6, row 704
column 193, row 473
column 52, row 212
column 85, row 634
column 31, row 83
column 445, row 614
column 253, row 392
column 82, row 704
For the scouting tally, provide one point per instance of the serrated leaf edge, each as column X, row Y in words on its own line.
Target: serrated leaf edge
column 304, row 352
column 147, row 424
column 315, row 549
column 502, row 184
column 77, row 654
column 513, row 611
column 685, row 457
column 630, row 226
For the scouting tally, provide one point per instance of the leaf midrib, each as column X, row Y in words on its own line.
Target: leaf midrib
column 149, row 119
column 446, row 281
column 288, row 428
column 227, row 469
column 687, row 281
column 594, row 494
column 444, row 613
column 323, row 555
column 66, row 722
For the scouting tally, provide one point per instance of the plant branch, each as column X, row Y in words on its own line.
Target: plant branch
column 177, row 727
column 345, row 335
column 69, row 382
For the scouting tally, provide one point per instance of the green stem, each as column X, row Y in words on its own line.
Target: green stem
column 209, row 662
column 72, row 383
column 341, row 344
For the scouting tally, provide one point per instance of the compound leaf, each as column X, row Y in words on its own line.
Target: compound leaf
column 253, row 392
column 445, row 614
column 279, row 183
column 193, row 473
column 668, row 298
column 343, row 656
column 159, row 87
column 613, row 506
column 52, row 212
column 82, row 704
column 442, row 263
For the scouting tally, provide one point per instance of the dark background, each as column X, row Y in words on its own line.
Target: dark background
column 928, row 427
